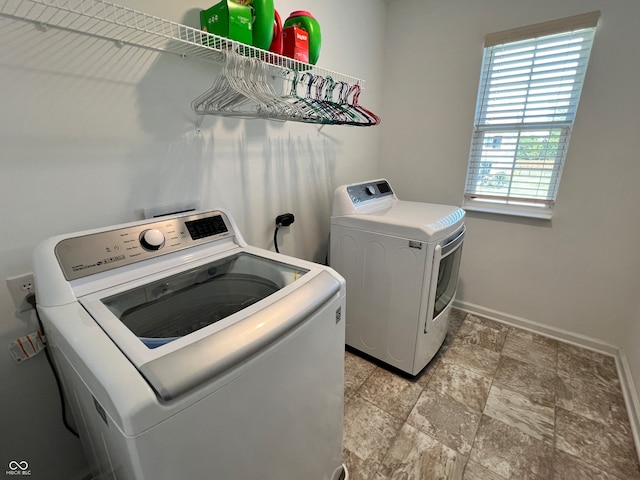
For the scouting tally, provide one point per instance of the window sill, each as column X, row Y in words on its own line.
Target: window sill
column 532, row 212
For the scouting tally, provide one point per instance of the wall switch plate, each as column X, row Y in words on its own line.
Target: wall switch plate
column 20, row 287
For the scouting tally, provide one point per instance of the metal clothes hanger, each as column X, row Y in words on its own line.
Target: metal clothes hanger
column 223, row 92
column 342, row 114
column 304, row 110
column 357, row 118
column 355, row 91
column 243, row 90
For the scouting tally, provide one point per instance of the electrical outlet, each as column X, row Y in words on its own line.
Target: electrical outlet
column 20, row 287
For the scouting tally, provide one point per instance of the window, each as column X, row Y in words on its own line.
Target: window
column 528, row 96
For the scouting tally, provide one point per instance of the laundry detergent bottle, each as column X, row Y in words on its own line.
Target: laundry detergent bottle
column 263, row 18
column 276, row 43
column 304, row 20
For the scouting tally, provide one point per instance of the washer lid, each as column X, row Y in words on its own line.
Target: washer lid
column 414, row 220
column 182, row 329
column 191, row 366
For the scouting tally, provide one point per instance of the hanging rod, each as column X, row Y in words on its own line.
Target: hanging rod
column 125, row 25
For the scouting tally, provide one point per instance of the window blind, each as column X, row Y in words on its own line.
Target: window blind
column 527, row 102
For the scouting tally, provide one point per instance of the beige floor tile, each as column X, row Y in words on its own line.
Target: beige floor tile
column 528, row 413
column 424, row 377
column 472, row 357
column 358, row 468
column 475, row 471
column 417, row 456
column 456, row 317
column 475, row 333
column 527, row 378
column 392, row 393
column 567, row 467
column 488, row 323
column 594, row 401
column 446, row 420
column 531, row 348
column 368, row 430
column 587, row 365
column 465, row 386
column 508, row 452
column 596, row 444
column 456, row 320
column 356, row 372
column 585, row 353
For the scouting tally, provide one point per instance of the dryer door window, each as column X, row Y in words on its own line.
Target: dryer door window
column 447, row 281
column 447, row 278
column 165, row 310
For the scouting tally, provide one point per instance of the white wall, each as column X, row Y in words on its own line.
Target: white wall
column 579, row 272
column 91, row 133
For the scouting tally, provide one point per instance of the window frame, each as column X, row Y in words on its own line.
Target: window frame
column 543, row 138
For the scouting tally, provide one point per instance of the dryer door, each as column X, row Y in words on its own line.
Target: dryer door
column 444, row 277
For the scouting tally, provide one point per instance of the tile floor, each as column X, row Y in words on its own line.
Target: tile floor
column 496, row 403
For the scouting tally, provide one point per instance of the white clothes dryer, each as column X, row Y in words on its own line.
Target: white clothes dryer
column 401, row 261
column 186, row 353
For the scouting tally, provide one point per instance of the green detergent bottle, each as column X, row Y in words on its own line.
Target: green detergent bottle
column 263, row 18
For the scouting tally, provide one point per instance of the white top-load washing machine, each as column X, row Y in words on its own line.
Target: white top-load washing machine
column 186, row 353
column 400, row 260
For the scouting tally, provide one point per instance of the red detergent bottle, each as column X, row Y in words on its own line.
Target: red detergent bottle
column 276, row 43
column 304, row 20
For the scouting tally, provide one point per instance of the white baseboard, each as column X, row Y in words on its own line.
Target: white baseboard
column 535, row 327
column 630, row 396
column 629, row 389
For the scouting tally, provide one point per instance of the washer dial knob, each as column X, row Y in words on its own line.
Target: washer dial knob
column 152, row 239
column 370, row 190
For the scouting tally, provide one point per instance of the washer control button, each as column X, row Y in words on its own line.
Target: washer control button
column 152, row 239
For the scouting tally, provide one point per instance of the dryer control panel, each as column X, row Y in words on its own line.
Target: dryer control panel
column 93, row 253
column 365, row 192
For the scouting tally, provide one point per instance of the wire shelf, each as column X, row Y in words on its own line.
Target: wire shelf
column 125, row 25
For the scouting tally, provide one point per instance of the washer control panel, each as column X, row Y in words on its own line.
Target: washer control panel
column 98, row 252
column 365, row 192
